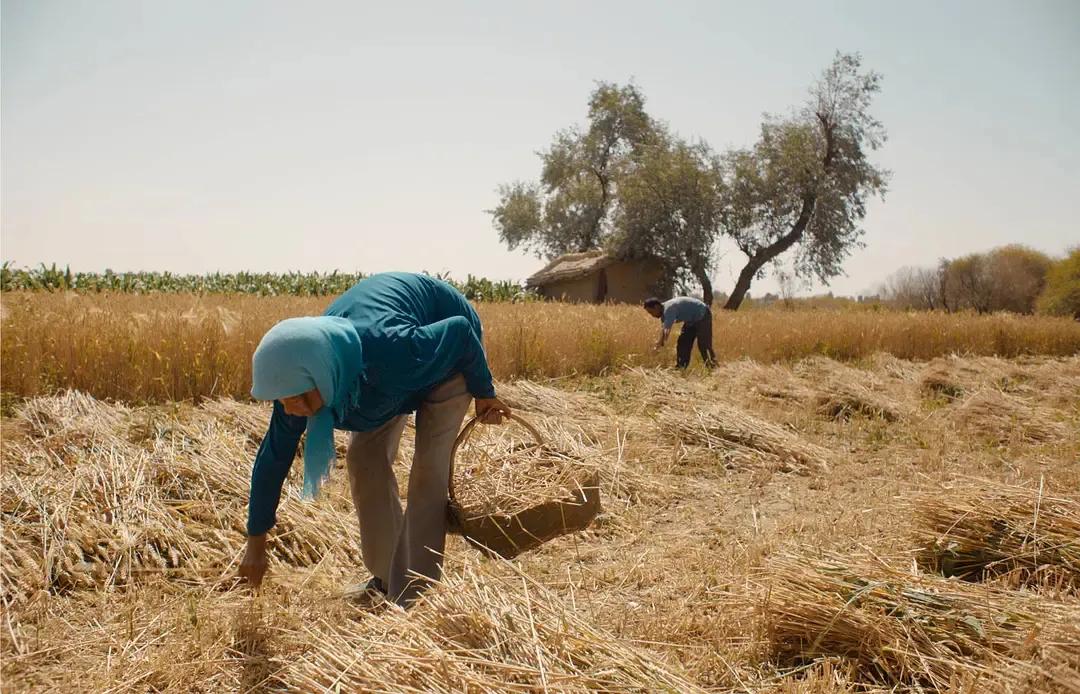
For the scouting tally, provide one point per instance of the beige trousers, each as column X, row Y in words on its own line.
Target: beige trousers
column 404, row 549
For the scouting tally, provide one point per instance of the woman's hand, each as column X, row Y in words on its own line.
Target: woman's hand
column 253, row 565
column 491, row 410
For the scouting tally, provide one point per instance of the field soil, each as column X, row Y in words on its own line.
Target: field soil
column 878, row 525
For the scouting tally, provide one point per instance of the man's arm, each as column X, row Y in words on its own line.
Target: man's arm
column 272, row 464
column 667, row 321
column 664, row 332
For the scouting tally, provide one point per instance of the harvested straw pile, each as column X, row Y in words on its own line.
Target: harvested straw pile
column 770, row 381
column 566, row 410
column 1053, row 381
column 1004, row 418
column 836, row 391
column 733, row 433
column 122, row 529
column 900, row 630
column 479, row 633
column 96, row 497
column 725, row 430
column 978, row 530
column 952, row 377
column 841, row 400
column 568, row 406
column 841, row 391
column 501, row 470
column 893, row 367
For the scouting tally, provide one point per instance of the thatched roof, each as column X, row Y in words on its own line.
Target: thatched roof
column 570, row 266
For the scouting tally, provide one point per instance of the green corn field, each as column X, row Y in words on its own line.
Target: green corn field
column 53, row 278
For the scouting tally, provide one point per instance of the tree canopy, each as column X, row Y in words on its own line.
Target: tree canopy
column 805, row 183
column 628, row 185
column 1009, row 278
column 570, row 209
column 1061, row 296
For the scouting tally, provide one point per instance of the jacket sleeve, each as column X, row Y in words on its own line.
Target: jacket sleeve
column 447, row 346
column 668, row 319
column 272, row 464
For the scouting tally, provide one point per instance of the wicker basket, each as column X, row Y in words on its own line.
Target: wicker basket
column 510, row 534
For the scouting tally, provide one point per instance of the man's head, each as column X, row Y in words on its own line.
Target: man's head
column 654, row 306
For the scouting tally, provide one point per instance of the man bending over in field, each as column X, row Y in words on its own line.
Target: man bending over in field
column 696, row 318
column 395, row 343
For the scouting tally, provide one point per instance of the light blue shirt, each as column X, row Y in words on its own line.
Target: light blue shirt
column 683, row 309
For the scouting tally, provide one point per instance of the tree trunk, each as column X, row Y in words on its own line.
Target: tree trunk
column 764, row 255
column 758, row 260
column 742, row 286
column 702, row 277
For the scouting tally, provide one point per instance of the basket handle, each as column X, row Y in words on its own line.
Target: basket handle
column 467, row 430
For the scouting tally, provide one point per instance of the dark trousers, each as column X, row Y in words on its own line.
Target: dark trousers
column 701, row 331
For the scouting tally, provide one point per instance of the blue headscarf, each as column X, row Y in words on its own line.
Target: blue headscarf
column 299, row 354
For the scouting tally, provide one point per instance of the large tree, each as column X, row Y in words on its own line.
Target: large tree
column 571, row 208
column 805, row 183
column 1009, row 278
column 1061, row 297
column 624, row 184
column 668, row 209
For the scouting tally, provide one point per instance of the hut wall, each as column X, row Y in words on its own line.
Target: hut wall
column 581, row 289
column 632, row 282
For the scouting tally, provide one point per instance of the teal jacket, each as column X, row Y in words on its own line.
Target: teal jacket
column 416, row 331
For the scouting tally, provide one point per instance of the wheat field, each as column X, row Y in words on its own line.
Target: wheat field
column 167, row 347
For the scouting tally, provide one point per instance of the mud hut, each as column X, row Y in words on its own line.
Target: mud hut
column 596, row 277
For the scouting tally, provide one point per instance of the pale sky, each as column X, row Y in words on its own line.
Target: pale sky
column 197, row 135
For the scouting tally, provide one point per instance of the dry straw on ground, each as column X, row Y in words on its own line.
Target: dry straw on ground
column 723, row 428
column 695, row 416
column 844, row 400
column 953, row 376
column 919, row 633
column 981, row 529
column 103, row 500
column 480, row 633
column 572, row 410
column 1001, row 417
column 123, row 527
column 97, row 497
column 833, row 390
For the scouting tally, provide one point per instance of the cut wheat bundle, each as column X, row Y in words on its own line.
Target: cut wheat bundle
column 97, row 496
column 723, row 427
column 893, row 367
column 915, row 631
column 508, row 496
column 248, row 418
column 1054, row 381
column 572, row 409
column 478, row 631
column 1005, row 418
column 843, row 400
column 771, row 381
column 1023, row 535
column 954, row 376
